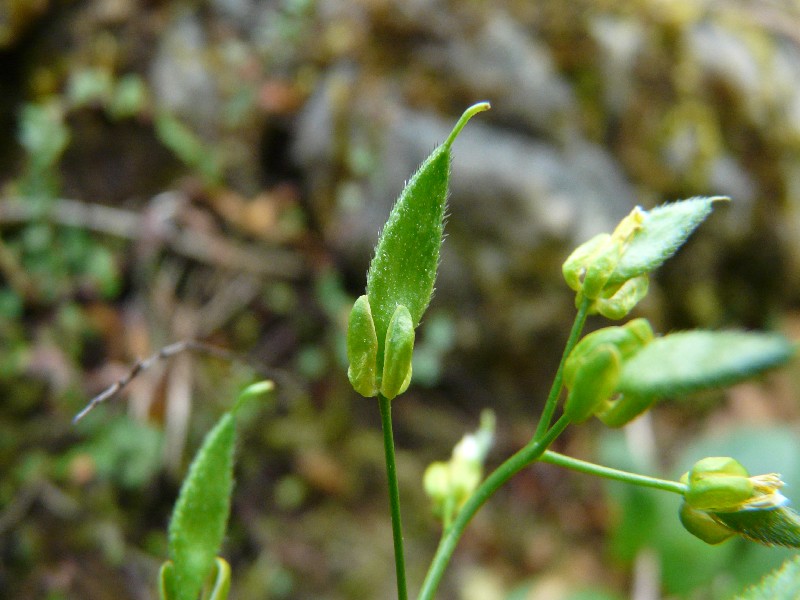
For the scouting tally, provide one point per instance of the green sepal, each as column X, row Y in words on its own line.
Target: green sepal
column 593, row 383
column 218, row 587
column 588, row 269
column 221, row 582
column 403, row 270
column 623, row 409
column 718, row 483
column 663, row 230
column 399, row 351
column 686, row 362
column 574, row 268
column 166, row 580
column 362, row 349
column 702, row 525
column 774, row 527
column 601, row 267
column 621, row 302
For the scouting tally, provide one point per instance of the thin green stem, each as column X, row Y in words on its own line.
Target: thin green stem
column 554, row 458
column 394, row 496
column 530, row 453
column 555, row 391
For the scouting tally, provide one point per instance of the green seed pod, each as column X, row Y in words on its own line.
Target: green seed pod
column 403, row 269
column 399, row 351
column 362, row 349
column 718, row 483
column 702, row 525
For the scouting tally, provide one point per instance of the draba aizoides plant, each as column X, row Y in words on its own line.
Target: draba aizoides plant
column 615, row 374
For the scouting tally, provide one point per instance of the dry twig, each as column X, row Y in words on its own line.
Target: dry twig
column 165, row 353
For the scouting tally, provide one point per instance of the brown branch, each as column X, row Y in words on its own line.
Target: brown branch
column 288, row 381
column 163, row 354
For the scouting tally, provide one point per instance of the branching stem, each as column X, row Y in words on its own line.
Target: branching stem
column 558, row 381
column 554, row 458
column 530, row 453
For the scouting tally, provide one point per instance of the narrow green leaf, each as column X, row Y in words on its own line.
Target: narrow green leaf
column 664, row 229
column 689, row 361
column 778, row 526
column 201, row 512
column 403, row 269
column 780, row 584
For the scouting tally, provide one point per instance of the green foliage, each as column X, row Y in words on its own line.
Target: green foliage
column 198, row 521
column 615, row 373
column 779, row 526
column 124, row 451
column 44, row 136
column 686, row 362
column 188, row 147
column 782, row 584
column 201, row 513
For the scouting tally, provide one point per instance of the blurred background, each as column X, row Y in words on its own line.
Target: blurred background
column 219, row 170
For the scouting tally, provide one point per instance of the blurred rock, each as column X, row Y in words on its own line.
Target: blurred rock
column 511, row 194
column 504, row 62
column 180, row 74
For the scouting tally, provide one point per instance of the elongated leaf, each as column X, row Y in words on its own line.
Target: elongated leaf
column 781, row 584
column 201, row 512
column 689, row 361
column 665, row 229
